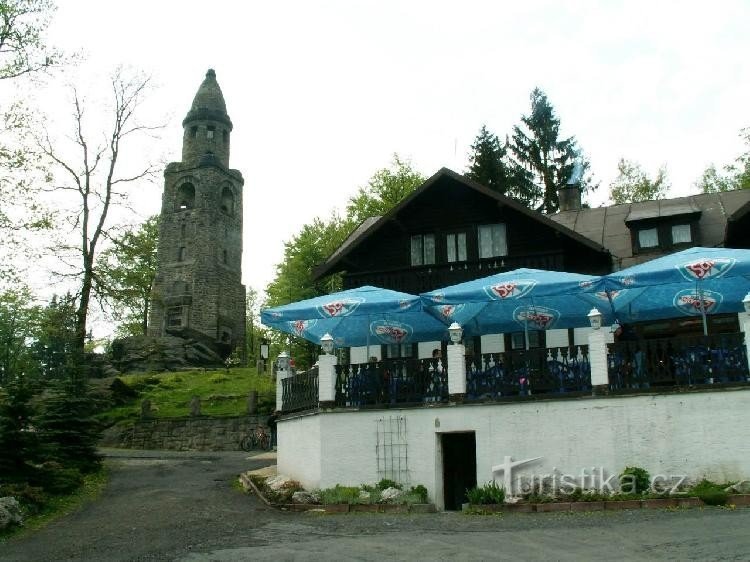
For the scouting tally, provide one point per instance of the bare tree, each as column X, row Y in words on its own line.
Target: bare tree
column 89, row 173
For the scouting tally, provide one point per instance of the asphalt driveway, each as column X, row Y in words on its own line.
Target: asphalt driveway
column 177, row 506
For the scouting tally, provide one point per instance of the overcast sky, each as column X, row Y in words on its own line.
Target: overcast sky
column 321, row 94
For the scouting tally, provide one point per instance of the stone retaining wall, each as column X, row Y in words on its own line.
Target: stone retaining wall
column 186, row 434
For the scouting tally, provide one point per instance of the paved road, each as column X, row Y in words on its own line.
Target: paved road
column 171, row 506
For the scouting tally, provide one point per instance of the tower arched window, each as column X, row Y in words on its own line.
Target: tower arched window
column 210, row 131
column 183, row 230
column 193, row 132
column 225, row 136
column 227, row 201
column 185, row 197
column 224, row 257
column 182, row 254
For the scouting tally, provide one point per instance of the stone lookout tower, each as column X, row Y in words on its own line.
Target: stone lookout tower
column 198, row 288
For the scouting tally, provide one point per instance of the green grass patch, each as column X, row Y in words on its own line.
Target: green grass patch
column 222, row 393
column 60, row 505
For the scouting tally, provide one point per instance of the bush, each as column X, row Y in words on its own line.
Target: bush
column 121, row 392
column 489, row 493
column 420, row 492
column 339, row 494
column 56, row 479
column 710, row 492
column 635, row 480
column 386, row 483
column 32, row 498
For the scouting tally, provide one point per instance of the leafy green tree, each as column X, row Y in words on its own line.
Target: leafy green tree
column 53, row 345
column 491, row 166
column 633, row 184
column 23, row 24
column 67, row 426
column 384, row 190
column 19, row 324
column 550, row 160
column 18, row 443
column 125, row 273
column 734, row 176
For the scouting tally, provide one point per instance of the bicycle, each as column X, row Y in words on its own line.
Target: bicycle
column 259, row 438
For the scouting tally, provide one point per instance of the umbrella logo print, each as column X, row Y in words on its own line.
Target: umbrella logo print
column 690, row 302
column 299, row 326
column 514, row 289
column 391, row 332
column 539, row 317
column 448, row 310
column 706, row 268
column 336, row 309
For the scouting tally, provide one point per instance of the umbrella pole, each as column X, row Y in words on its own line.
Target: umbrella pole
column 703, row 309
column 526, row 329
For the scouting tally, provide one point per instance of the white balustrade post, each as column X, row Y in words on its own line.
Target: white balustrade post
column 457, row 372
column 744, row 318
column 598, row 361
column 327, row 380
column 282, row 372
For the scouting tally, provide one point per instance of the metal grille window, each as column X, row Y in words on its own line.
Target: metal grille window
column 648, row 238
column 681, row 234
column 423, row 249
column 174, row 317
column 391, row 449
column 493, row 240
column 456, row 247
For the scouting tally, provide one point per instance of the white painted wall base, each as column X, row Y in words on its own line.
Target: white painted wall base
column 695, row 434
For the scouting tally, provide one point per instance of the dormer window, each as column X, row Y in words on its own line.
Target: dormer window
column 648, row 238
column 681, row 234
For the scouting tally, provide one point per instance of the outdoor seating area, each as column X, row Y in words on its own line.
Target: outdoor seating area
column 695, row 283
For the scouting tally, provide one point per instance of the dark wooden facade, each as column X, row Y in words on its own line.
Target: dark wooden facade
column 448, row 204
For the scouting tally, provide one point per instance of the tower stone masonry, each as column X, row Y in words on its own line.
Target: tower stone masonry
column 198, row 286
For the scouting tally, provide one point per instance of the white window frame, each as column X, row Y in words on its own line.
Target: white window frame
column 496, row 237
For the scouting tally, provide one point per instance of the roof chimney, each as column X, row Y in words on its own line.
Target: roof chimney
column 569, row 196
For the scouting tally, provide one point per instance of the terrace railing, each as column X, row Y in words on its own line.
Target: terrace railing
column 391, row 381
column 681, row 361
column 550, row 371
column 300, row 392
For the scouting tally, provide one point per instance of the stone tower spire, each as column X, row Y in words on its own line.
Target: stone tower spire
column 207, row 127
column 198, row 289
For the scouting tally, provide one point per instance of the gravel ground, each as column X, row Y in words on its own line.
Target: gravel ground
column 177, row 506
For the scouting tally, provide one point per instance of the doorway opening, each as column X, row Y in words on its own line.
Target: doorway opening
column 459, row 467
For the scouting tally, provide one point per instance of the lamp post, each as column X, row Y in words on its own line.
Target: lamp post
column 595, row 318
column 455, row 331
column 326, row 342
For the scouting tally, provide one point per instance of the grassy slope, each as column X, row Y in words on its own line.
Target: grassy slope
column 221, row 393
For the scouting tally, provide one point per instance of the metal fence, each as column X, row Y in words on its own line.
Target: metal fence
column 299, row 392
column 555, row 370
column 680, row 361
column 391, row 381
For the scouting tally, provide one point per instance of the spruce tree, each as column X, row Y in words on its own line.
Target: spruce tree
column 550, row 160
column 18, row 444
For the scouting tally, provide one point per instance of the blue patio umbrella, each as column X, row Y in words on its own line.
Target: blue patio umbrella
column 521, row 299
column 357, row 317
column 693, row 282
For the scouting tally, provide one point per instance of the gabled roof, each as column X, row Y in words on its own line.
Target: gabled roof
column 371, row 225
column 607, row 225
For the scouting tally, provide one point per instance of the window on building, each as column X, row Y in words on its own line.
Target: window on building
column 396, row 350
column 182, row 254
column 456, row 247
column 681, row 234
column 224, row 257
column 193, row 132
column 185, row 197
column 183, row 230
column 210, row 131
column 423, row 249
column 174, row 317
column 225, row 136
column 648, row 238
column 493, row 240
column 227, row 201
column 518, row 339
